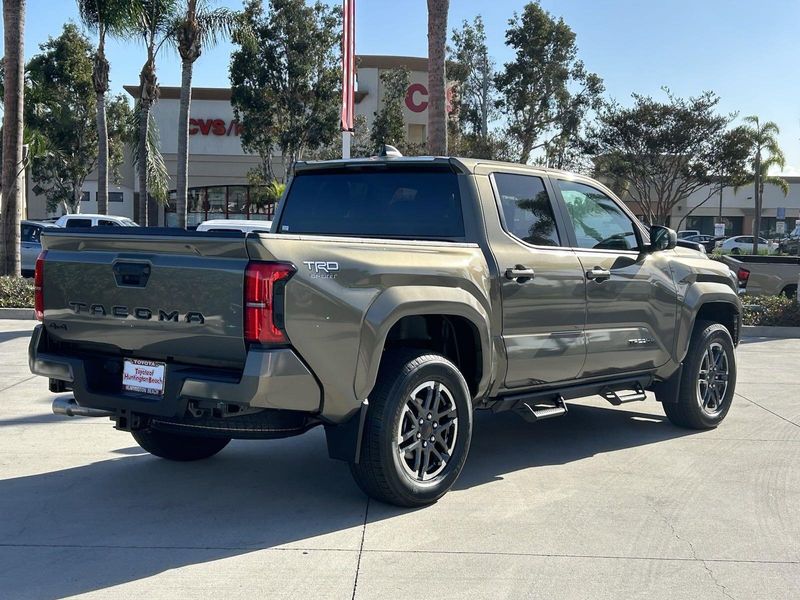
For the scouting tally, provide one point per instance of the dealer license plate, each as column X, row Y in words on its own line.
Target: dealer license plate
column 143, row 376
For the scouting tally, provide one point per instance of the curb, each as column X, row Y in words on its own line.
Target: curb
column 17, row 313
column 770, row 331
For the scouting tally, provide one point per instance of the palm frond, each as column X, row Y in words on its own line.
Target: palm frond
column 778, row 182
column 215, row 25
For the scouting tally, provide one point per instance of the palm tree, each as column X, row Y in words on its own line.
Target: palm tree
column 114, row 17
column 155, row 19
column 437, row 109
column 13, row 102
column 196, row 27
column 766, row 154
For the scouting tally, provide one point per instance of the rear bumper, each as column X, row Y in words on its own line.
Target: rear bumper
column 271, row 378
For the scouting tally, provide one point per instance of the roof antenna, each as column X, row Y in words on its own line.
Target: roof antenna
column 389, row 152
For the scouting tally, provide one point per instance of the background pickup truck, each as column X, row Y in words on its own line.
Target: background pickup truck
column 392, row 297
column 765, row 275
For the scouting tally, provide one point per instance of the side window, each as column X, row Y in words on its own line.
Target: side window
column 599, row 223
column 106, row 223
column 527, row 210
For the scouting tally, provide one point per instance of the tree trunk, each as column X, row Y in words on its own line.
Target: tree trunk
column 143, row 160
column 102, row 156
column 148, row 89
column 182, row 191
column 437, row 107
column 757, row 192
column 77, row 192
column 13, row 101
column 100, row 81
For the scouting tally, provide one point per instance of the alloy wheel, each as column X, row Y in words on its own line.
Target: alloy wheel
column 712, row 379
column 427, row 432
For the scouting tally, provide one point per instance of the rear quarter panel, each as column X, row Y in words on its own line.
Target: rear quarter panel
column 328, row 311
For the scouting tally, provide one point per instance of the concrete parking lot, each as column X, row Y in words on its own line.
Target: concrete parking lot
column 603, row 503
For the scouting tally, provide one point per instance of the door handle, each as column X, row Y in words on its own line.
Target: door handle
column 520, row 273
column 598, row 274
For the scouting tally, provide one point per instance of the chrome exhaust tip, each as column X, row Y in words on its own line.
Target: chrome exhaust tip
column 67, row 406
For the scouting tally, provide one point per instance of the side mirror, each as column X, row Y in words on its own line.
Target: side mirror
column 662, row 238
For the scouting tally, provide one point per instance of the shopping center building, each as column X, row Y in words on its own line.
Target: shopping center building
column 218, row 166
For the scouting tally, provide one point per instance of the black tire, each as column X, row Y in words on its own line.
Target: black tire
column 384, row 469
column 790, row 291
column 173, row 446
column 705, row 406
column 735, row 251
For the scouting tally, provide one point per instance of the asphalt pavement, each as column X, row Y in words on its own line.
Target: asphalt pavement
column 602, row 503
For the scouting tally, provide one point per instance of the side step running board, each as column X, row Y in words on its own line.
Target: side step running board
column 543, row 404
column 532, row 411
column 617, row 397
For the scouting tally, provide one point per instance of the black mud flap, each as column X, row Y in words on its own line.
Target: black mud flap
column 667, row 390
column 344, row 440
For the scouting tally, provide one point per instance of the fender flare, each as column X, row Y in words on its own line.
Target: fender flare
column 698, row 295
column 402, row 301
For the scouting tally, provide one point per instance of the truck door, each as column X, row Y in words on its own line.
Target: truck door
column 541, row 282
column 631, row 299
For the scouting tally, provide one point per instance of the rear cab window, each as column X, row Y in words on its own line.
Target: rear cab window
column 31, row 233
column 401, row 202
column 79, row 223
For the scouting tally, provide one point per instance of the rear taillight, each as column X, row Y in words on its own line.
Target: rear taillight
column 263, row 301
column 38, row 283
column 743, row 275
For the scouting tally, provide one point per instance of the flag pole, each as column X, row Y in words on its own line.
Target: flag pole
column 348, row 74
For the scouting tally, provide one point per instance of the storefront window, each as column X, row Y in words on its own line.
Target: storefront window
column 237, row 202
column 215, row 198
column 215, row 202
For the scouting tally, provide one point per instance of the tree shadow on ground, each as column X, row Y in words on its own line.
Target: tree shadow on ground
column 252, row 496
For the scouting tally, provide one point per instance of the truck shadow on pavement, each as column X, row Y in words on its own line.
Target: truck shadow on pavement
column 87, row 528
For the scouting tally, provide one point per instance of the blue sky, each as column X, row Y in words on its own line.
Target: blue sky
column 745, row 51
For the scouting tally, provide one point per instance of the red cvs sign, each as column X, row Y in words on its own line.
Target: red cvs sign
column 417, row 94
column 214, row 127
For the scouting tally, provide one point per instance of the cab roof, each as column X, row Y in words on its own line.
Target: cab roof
column 462, row 165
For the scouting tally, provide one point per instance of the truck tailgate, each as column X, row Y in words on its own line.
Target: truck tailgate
column 162, row 296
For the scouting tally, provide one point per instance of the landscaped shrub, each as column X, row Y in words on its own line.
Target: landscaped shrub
column 16, row 292
column 771, row 310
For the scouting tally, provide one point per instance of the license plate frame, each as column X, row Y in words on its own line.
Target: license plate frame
column 144, row 377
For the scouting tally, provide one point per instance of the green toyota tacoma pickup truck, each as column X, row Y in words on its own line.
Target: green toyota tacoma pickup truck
column 392, row 298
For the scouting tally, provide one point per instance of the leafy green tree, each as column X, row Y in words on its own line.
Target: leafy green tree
column 155, row 26
column 61, row 106
column 286, row 79
column 105, row 17
column 733, row 152
column 13, row 101
column 198, row 26
column 121, row 132
column 545, row 92
column 437, row 77
column 765, row 153
column 389, row 127
column 660, row 153
column 474, row 70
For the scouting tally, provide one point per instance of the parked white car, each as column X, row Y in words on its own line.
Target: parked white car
column 743, row 244
column 79, row 220
column 235, row 225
